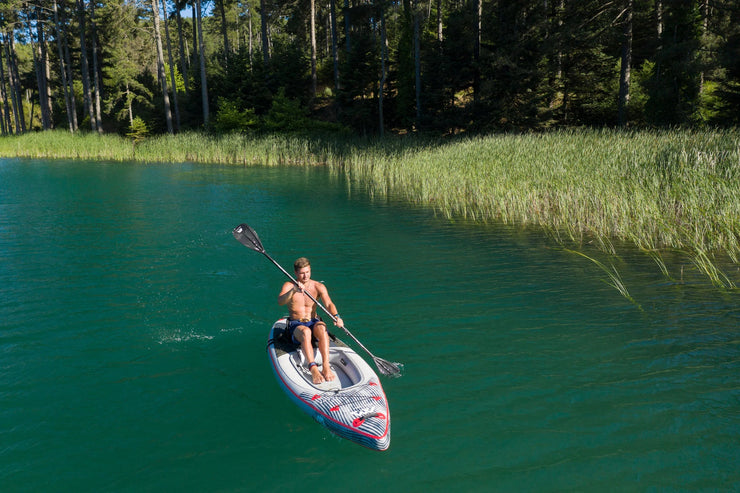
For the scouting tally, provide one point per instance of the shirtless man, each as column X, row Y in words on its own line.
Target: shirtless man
column 303, row 320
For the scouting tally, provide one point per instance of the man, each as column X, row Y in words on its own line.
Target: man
column 303, row 321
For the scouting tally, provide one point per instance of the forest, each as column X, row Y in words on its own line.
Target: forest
column 367, row 67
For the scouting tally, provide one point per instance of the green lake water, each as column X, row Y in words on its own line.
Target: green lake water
column 133, row 330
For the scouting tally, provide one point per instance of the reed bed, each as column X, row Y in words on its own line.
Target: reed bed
column 270, row 150
column 266, row 150
column 64, row 145
column 657, row 189
column 661, row 190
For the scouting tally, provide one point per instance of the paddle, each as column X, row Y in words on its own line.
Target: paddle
column 245, row 235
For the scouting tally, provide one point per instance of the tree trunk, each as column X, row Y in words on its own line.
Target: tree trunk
column 62, row 68
column 265, row 43
column 46, row 65
column 251, row 37
column 203, row 83
column 560, row 15
column 334, row 47
column 626, row 65
column 704, row 27
column 476, row 51
column 417, row 61
column 383, row 56
column 96, row 71
column 347, row 27
column 440, row 36
column 14, row 124
column 70, row 78
column 659, row 31
column 85, row 68
column 38, row 71
column 172, row 67
column 15, row 85
column 222, row 10
column 32, row 102
column 193, row 17
column 313, row 46
column 160, row 66
column 44, row 76
column 238, row 30
column 184, row 59
column 5, row 123
column 130, row 109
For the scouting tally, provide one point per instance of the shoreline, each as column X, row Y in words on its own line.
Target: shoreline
column 660, row 190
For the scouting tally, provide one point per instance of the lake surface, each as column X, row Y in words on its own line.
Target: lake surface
column 133, row 331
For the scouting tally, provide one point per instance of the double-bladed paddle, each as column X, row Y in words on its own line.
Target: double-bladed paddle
column 245, row 235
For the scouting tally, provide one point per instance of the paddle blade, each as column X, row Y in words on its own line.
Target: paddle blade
column 248, row 237
column 388, row 368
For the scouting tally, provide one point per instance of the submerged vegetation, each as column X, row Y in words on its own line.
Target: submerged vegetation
column 663, row 190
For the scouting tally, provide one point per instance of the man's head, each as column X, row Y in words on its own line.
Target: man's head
column 302, row 268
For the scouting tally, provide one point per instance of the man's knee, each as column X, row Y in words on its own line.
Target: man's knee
column 319, row 329
column 302, row 332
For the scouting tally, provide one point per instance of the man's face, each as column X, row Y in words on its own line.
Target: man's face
column 303, row 274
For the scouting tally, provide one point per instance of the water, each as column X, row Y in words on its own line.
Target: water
column 133, row 330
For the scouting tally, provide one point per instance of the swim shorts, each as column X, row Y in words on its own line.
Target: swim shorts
column 292, row 324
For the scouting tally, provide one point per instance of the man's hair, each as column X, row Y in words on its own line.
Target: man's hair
column 301, row 263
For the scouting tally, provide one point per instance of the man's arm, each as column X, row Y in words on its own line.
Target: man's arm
column 329, row 304
column 286, row 293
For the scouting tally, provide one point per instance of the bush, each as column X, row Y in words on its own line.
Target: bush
column 138, row 130
column 286, row 114
column 230, row 118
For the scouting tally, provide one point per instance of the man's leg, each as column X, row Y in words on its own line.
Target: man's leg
column 319, row 331
column 303, row 335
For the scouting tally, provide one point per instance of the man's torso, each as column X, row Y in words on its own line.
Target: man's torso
column 301, row 306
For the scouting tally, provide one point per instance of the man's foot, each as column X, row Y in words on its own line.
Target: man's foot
column 328, row 375
column 317, row 376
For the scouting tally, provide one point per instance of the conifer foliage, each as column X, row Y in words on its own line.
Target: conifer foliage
column 368, row 65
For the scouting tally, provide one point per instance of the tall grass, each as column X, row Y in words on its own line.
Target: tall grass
column 660, row 190
column 674, row 189
column 60, row 145
column 268, row 150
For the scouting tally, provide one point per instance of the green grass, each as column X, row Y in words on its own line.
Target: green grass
column 659, row 190
column 676, row 190
column 185, row 147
